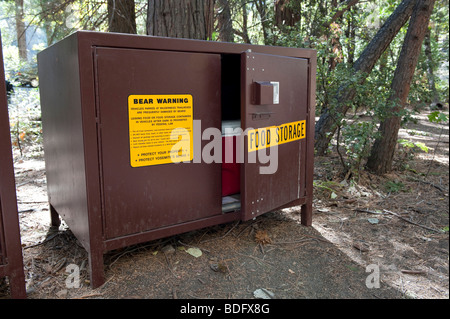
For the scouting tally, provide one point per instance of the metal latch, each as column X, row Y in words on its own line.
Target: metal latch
column 266, row 92
column 261, row 115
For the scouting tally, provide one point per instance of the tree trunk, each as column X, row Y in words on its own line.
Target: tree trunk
column 244, row 34
column 21, row 29
column 224, row 22
column 382, row 153
column 327, row 123
column 58, row 18
column 192, row 19
column 335, row 45
column 122, row 16
column 430, row 68
column 340, row 10
column 47, row 8
column 350, row 34
column 334, row 35
column 287, row 13
column 261, row 7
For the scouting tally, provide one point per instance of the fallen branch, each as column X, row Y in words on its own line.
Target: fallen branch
column 90, row 295
column 32, row 202
column 60, row 264
column 24, row 183
column 106, row 282
column 223, row 236
column 169, row 266
column 258, row 260
column 361, row 247
column 413, row 272
column 31, row 180
column 428, row 183
column 44, row 241
column 237, row 236
column 368, row 211
column 411, row 222
column 26, row 211
column 298, row 241
column 127, row 252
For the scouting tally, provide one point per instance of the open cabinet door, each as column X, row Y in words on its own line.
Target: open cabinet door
column 11, row 259
column 274, row 113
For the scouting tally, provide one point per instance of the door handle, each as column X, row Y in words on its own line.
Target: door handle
column 261, row 115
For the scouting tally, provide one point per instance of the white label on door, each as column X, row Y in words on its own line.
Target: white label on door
column 276, row 92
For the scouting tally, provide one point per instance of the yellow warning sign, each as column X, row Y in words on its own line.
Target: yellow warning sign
column 161, row 129
column 265, row 137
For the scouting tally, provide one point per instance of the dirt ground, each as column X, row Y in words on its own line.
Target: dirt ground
column 394, row 225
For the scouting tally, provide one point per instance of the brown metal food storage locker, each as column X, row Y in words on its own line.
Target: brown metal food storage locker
column 11, row 262
column 108, row 103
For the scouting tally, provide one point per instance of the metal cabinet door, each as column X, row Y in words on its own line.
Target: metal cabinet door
column 139, row 199
column 275, row 99
column 11, row 260
column 2, row 253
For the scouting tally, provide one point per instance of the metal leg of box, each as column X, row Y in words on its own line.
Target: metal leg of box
column 54, row 217
column 17, row 283
column 306, row 213
column 97, row 272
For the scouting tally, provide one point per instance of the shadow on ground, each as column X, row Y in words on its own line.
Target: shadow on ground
column 294, row 262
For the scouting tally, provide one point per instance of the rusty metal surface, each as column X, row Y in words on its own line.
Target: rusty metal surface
column 109, row 39
column 262, row 93
column 11, row 263
column 63, row 135
column 86, row 142
column 137, row 199
column 265, row 192
column 2, row 237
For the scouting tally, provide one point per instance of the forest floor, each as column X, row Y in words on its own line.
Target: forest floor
column 396, row 226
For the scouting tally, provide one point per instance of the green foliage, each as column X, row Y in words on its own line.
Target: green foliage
column 407, row 150
column 411, row 145
column 330, row 186
column 26, row 126
column 437, row 117
column 359, row 127
column 338, row 46
column 421, row 92
column 373, row 96
column 214, row 36
column 394, row 187
column 357, row 137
